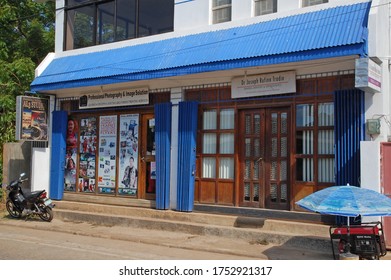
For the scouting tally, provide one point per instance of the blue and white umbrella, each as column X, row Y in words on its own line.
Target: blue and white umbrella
column 348, row 201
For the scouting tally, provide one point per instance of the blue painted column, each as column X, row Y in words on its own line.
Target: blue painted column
column 187, row 139
column 163, row 154
column 58, row 150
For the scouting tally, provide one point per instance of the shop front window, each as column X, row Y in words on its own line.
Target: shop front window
column 218, row 144
column 315, row 143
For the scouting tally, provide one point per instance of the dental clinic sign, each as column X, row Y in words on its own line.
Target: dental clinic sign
column 139, row 96
column 368, row 75
column 264, row 84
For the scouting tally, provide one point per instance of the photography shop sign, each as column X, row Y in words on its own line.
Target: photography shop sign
column 32, row 118
column 138, row 96
column 264, row 84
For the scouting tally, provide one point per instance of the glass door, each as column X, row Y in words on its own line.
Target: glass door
column 264, row 158
column 147, row 169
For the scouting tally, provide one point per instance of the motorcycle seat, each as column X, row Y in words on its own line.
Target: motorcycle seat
column 35, row 194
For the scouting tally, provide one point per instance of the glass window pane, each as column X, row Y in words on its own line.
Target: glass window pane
column 313, row 2
column 283, row 170
column 284, row 193
column 305, row 115
column 248, row 124
column 256, row 192
column 80, row 28
column 305, row 169
column 326, row 142
column 210, row 120
column 326, row 168
column 227, row 143
column 126, row 19
column 305, row 142
column 221, row 11
column 155, row 17
column 105, row 25
column 263, row 7
column 247, row 170
column 209, row 143
column 227, row 119
column 274, row 120
column 246, row 192
column 217, row 3
column 284, row 123
column 247, row 143
column 257, row 123
column 209, row 168
column 273, row 192
column 71, row 3
column 326, row 114
column 226, row 168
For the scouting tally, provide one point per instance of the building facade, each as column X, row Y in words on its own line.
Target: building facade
column 228, row 103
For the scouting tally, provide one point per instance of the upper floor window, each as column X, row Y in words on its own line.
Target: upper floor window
column 96, row 22
column 307, row 3
column 222, row 10
column 263, row 7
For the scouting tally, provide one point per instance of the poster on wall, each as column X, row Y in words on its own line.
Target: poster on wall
column 71, row 155
column 128, row 151
column 87, row 150
column 107, row 153
column 32, row 118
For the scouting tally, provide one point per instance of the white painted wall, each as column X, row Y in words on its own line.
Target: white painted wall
column 370, row 170
column 176, row 97
column 40, row 169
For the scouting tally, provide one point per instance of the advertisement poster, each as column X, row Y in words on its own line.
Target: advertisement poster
column 34, row 119
column 107, row 153
column 88, row 138
column 71, row 155
column 128, row 164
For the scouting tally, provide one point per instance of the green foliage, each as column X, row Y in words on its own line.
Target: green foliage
column 26, row 37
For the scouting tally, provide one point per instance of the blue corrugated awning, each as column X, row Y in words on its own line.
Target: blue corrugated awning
column 333, row 32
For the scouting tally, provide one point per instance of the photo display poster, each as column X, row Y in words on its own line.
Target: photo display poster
column 88, row 138
column 71, row 155
column 107, row 154
column 128, row 151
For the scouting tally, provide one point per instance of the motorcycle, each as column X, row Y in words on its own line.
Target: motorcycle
column 28, row 204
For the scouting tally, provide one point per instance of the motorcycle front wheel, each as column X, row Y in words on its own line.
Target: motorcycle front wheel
column 46, row 213
column 12, row 210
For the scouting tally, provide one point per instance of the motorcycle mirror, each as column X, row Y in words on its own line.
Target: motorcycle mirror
column 22, row 175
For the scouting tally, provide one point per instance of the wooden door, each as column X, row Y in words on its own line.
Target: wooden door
column 264, row 158
column 147, row 163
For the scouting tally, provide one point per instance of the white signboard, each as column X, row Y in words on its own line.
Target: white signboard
column 368, row 75
column 264, row 84
column 139, row 96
